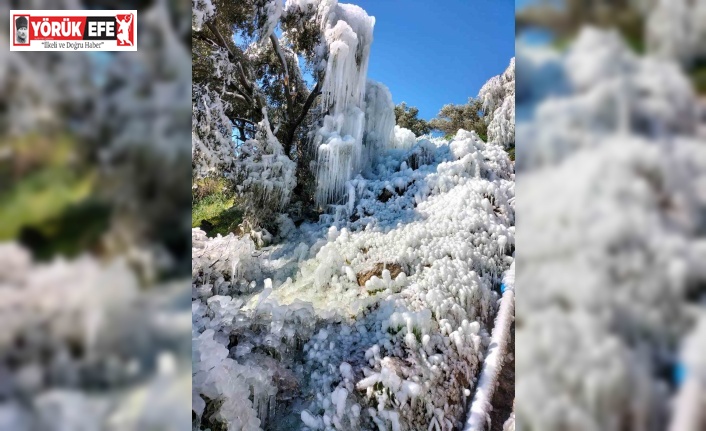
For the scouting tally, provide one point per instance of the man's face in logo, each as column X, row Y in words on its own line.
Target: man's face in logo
column 22, row 32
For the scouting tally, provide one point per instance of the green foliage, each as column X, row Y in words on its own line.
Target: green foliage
column 417, row 334
column 406, row 116
column 208, row 186
column 77, row 229
column 698, row 77
column 46, row 198
column 469, row 117
column 40, row 196
column 214, row 207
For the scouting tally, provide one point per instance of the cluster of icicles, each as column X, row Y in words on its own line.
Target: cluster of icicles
column 360, row 119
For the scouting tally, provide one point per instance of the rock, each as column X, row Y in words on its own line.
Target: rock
column 394, row 268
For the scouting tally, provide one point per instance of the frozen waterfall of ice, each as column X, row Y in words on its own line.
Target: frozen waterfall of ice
column 339, row 140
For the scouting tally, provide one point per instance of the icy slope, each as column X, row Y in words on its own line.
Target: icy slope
column 374, row 318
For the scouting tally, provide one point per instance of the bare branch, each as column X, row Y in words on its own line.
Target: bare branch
column 307, row 105
column 275, row 45
column 236, row 95
column 287, row 96
column 200, row 35
column 305, row 109
column 243, row 120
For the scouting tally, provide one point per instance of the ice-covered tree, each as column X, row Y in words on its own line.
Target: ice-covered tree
column 451, row 118
column 676, row 30
column 240, row 67
column 406, row 116
column 669, row 31
column 498, row 96
column 253, row 102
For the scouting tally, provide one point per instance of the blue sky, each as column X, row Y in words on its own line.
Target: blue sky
column 433, row 53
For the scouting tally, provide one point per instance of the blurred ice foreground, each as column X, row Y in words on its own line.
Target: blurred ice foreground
column 94, row 164
column 612, row 195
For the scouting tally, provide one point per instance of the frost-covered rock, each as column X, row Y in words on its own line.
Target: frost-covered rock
column 214, row 260
column 403, row 139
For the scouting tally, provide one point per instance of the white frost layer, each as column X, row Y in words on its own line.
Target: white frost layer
column 597, row 89
column 403, row 139
column 75, row 319
column 268, row 175
column 675, row 30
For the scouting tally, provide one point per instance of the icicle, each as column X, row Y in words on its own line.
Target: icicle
column 351, row 198
column 339, row 141
column 379, row 119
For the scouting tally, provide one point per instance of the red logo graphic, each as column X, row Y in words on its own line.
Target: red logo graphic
column 116, row 29
column 126, row 34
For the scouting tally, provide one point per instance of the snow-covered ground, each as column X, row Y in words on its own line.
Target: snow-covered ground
column 376, row 317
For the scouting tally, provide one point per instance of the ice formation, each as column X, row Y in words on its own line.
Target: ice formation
column 610, row 90
column 339, row 141
column 267, row 175
column 375, row 319
column 270, row 12
column 498, row 96
column 72, row 325
column 202, row 11
column 212, row 146
column 403, row 139
column 611, row 205
column 379, row 120
column 479, row 413
column 676, row 30
column 359, row 118
column 84, row 345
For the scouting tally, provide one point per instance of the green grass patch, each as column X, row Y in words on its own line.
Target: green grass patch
column 77, row 229
column 40, row 196
column 47, row 198
column 214, row 207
